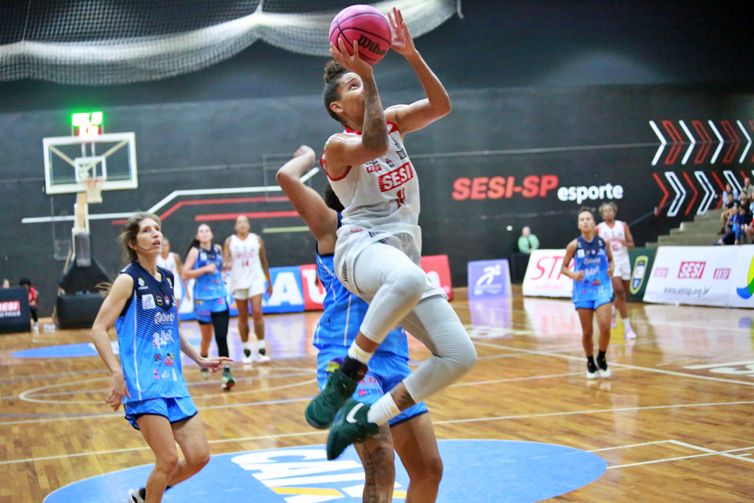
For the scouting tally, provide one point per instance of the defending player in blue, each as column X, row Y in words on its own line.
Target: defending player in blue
column 148, row 379
column 410, row 433
column 592, row 289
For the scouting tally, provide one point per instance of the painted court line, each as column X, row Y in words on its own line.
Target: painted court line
column 193, row 384
column 620, row 365
column 25, row 395
column 629, row 446
column 146, row 448
column 682, row 458
column 436, row 423
column 516, row 379
column 75, row 417
column 721, row 364
column 593, row 411
column 705, row 449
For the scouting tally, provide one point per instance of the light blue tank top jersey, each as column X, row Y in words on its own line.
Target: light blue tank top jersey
column 148, row 339
column 209, row 286
column 591, row 258
column 343, row 313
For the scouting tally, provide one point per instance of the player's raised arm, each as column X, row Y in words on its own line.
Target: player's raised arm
column 320, row 219
column 436, row 105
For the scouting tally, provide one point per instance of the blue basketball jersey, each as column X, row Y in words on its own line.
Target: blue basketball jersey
column 591, row 259
column 148, row 338
column 343, row 313
column 209, row 286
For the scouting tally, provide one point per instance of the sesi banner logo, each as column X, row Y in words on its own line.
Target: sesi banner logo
column 531, row 186
column 503, row 187
column 691, row 270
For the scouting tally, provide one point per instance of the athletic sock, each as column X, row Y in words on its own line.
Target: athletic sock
column 354, row 369
column 358, row 354
column 627, row 325
column 601, row 360
column 590, row 365
column 383, row 410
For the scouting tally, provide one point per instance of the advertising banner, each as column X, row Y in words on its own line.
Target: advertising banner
column 741, row 289
column 438, row 269
column 489, row 278
column 14, row 310
column 297, row 288
column 697, row 275
column 543, row 278
column 314, row 292
column 641, row 265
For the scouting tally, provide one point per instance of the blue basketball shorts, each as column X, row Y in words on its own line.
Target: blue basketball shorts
column 385, row 372
column 174, row 409
column 593, row 304
column 203, row 308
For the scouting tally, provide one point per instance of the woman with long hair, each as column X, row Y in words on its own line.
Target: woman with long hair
column 204, row 264
column 378, row 245
column 592, row 289
column 148, row 380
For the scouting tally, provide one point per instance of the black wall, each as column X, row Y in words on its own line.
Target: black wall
column 556, row 89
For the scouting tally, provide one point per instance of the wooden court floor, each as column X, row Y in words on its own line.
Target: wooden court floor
column 674, row 423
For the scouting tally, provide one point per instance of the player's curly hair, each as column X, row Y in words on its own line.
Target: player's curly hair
column 608, row 204
column 333, row 72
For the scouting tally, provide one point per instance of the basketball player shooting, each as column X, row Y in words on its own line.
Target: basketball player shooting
column 379, row 243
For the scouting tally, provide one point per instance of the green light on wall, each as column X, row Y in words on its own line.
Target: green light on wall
column 87, row 119
column 87, row 123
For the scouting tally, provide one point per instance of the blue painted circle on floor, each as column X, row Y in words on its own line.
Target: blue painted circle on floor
column 475, row 470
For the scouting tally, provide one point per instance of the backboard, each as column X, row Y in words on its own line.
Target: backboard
column 70, row 160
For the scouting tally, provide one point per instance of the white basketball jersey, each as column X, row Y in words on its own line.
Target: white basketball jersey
column 246, row 267
column 381, row 196
column 612, row 235
column 171, row 265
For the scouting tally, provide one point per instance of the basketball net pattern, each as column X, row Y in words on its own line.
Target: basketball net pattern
column 100, row 43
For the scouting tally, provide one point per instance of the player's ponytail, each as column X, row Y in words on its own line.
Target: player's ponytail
column 193, row 244
column 333, row 72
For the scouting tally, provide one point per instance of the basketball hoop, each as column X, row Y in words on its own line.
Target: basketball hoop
column 93, row 187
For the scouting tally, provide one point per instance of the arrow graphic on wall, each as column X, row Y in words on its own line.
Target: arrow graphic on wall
column 680, row 193
column 709, row 192
column 722, row 135
column 748, row 141
column 674, row 182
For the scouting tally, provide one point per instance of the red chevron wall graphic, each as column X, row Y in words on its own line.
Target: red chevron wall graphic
column 716, row 145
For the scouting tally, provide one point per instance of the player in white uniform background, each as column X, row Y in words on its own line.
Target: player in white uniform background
column 379, row 244
column 172, row 262
column 618, row 236
column 246, row 258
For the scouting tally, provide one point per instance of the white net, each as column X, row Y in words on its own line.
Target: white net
column 100, row 42
column 93, row 189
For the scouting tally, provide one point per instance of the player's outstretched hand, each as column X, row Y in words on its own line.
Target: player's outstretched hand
column 214, row 364
column 402, row 42
column 118, row 390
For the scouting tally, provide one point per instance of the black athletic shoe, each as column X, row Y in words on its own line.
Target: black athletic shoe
column 137, row 495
